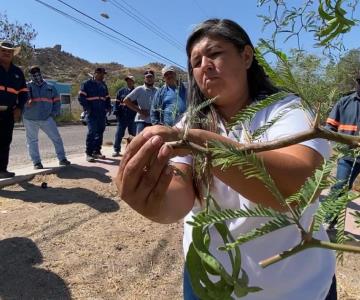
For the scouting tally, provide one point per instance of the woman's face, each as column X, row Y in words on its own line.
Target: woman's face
column 219, row 69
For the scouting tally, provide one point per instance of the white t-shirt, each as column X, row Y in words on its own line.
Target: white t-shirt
column 304, row 276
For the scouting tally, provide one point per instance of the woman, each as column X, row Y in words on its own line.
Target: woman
column 221, row 64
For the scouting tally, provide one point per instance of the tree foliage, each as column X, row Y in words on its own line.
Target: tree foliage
column 19, row 34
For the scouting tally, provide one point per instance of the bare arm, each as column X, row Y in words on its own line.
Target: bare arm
column 289, row 167
column 131, row 105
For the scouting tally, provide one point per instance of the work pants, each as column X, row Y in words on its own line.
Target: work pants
column 6, row 132
column 96, row 127
column 49, row 127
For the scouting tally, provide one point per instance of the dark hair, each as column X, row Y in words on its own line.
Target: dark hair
column 258, row 82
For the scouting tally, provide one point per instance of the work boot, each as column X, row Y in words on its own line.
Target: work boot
column 38, row 166
column 64, row 162
column 90, row 158
column 6, row 174
column 116, row 154
column 99, row 155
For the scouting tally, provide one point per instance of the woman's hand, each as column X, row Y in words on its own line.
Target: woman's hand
column 147, row 183
column 144, row 174
column 172, row 136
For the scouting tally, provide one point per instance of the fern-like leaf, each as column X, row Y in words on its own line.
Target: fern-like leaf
column 249, row 112
column 227, row 155
column 313, row 186
column 332, row 206
column 261, row 130
column 213, row 217
column 275, row 224
column 356, row 214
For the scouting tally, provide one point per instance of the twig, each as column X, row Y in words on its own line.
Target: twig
column 312, row 243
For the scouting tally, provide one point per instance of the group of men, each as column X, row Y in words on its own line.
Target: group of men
column 135, row 107
column 36, row 102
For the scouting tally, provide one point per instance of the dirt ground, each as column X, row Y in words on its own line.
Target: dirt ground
column 74, row 239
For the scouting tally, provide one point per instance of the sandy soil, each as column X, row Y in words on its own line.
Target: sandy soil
column 74, row 239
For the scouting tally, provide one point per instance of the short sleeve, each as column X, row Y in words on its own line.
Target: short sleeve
column 294, row 119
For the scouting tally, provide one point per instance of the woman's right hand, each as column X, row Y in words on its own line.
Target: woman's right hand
column 144, row 174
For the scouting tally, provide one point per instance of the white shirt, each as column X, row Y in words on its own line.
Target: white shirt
column 304, row 276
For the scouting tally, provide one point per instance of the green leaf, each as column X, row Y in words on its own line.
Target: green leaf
column 214, row 217
column 249, row 112
column 227, row 155
column 275, row 224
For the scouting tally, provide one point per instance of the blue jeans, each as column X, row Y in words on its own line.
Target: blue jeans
column 96, row 127
column 140, row 126
column 123, row 122
column 187, row 288
column 346, row 173
column 32, row 132
column 190, row 295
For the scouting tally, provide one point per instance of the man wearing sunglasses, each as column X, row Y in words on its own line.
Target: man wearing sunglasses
column 39, row 113
column 345, row 118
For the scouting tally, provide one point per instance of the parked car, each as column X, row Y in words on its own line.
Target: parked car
column 110, row 117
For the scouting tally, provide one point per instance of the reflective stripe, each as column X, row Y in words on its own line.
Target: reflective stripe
column 41, row 100
column 11, row 90
column 332, row 122
column 23, row 90
column 82, row 93
column 56, row 99
column 95, row 98
column 347, row 127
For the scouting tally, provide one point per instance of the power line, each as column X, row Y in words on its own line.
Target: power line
column 123, row 35
column 146, row 25
column 145, row 21
column 107, row 35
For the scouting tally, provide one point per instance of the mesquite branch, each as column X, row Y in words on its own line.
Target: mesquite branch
column 313, row 133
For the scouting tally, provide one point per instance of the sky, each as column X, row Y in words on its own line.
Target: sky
column 172, row 20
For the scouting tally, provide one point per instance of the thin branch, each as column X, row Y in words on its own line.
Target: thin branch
column 312, row 243
column 312, row 133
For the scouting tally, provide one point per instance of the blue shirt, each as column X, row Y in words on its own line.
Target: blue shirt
column 168, row 106
column 345, row 117
column 94, row 97
column 43, row 102
column 120, row 109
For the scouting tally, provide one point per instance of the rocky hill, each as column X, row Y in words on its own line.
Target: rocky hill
column 65, row 67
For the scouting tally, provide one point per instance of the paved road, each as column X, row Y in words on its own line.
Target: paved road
column 73, row 137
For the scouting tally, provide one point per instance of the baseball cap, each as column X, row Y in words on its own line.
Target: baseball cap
column 34, row 69
column 149, row 72
column 167, row 69
column 130, row 77
column 100, row 70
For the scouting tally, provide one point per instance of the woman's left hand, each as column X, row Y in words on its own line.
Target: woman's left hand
column 168, row 134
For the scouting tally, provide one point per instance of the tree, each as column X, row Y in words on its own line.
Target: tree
column 346, row 70
column 19, row 34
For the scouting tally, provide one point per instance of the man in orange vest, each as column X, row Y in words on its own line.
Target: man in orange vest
column 13, row 96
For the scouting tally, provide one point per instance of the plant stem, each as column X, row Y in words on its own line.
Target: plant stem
column 312, row 243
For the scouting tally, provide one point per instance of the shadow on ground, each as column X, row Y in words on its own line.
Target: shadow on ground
column 58, row 195
column 82, row 172
column 20, row 279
